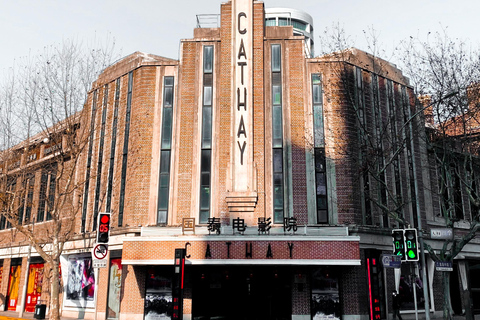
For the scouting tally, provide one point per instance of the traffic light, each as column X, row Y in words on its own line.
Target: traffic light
column 398, row 243
column 411, row 245
column 103, row 231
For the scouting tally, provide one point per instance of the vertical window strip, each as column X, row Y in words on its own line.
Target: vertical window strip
column 100, row 158
column 125, row 150
column 379, row 139
column 89, row 163
column 21, row 206
column 394, row 145
column 409, row 154
column 277, row 135
column 165, row 153
column 319, row 150
column 362, row 132
column 52, row 186
column 30, row 190
column 111, row 166
column 43, row 196
column 206, row 144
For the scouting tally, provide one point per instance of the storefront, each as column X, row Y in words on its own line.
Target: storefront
column 232, row 278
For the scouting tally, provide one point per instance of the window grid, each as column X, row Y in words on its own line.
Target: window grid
column 100, row 157
column 89, row 165
column 113, row 147
column 319, row 151
column 206, row 151
column 277, row 135
column 165, row 153
column 125, row 150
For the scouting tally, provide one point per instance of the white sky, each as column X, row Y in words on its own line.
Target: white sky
column 156, row 26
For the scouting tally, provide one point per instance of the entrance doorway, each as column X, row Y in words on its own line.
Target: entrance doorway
column 238, row 293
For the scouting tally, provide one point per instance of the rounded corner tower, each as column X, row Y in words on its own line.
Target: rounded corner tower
column 301, row 22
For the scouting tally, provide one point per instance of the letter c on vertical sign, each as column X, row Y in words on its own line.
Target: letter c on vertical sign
column 241, row 14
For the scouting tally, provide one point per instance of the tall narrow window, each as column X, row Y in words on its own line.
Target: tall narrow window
column 363, row 140
column 277, row 135
column 392, row 119
column 165, row 153
column 409, row 154
column 319, row 150
column 47, row 192
column 125, row 150
column 100, row 157
column 108, row 206
column 379, row 150
column 89, row 165
column 29, row 200
column 206, row 153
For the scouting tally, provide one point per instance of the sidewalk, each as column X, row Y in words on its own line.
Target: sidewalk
column 13, row 315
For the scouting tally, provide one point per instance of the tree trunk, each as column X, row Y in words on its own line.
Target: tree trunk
column 55, row 291
column 447, row 307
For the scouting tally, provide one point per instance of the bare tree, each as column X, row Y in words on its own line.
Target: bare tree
column 444, row 67
column 43, row 135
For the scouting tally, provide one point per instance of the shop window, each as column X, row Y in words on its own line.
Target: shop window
column 411, row 285
column 158, row 293
column 114, row 287
column 80, row 288
column 325, row 302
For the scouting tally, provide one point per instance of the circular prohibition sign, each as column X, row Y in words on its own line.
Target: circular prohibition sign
column 100, row 251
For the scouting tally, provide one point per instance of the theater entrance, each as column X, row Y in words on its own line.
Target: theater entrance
column 238, row 293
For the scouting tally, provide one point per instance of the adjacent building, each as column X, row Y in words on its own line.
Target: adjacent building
column 280, row 175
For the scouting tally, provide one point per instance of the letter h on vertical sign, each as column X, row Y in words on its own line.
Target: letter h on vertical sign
column 178, row 279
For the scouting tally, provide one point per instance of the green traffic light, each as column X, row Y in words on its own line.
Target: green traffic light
column 411, row 254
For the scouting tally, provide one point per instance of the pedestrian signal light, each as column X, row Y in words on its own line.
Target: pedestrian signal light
column 398, row 243
column 103, row 231
column 411, row 244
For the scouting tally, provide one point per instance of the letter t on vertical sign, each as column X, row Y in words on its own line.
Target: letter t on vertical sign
column 178, row 278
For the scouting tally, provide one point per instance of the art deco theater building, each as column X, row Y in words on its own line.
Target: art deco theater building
column 246, row 154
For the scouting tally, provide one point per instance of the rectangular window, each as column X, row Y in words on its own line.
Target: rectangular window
column 319, row 150
column 40, row 213
column 363, row 141
column 277, row 135
column 206, row 153
column 29, row 202
column 165, row 153
column 123, row 181
column 47, row 192
column 113, row 148
column 100, row 157
column 276, row 58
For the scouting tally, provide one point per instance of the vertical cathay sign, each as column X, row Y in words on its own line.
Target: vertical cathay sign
column 243, row 94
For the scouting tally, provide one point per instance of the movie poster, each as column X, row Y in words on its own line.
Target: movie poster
column 13, row 284
column 80, row 288
column 115, row 285
column 34, row 288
